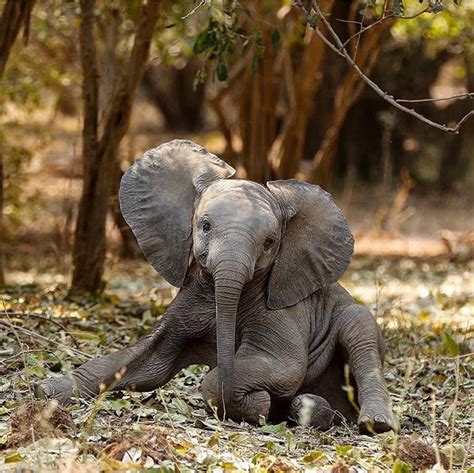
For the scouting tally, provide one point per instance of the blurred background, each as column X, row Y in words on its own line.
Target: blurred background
column 253, row 83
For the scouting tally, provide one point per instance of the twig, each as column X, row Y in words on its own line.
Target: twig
column 13, row 328
column 46, row 319
column 453, row 414
column 465, row 95
column 433, row 418
column 382, row 19
column 468, row 448
column 358, row 36
column 44, row 339
column 194, row 10
column 341, row 50
column 24, row 352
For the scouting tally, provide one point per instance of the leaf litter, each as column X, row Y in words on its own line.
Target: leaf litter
column 423, row 306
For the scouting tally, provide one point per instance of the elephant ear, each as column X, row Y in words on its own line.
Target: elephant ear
column 157, row 196
column 316, row 247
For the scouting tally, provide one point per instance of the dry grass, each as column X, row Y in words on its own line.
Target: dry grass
column 424, row 307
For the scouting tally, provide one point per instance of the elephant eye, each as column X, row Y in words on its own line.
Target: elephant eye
column 206, row 226
column 268, row 243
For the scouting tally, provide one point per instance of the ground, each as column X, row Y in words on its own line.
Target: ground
column 423, row 306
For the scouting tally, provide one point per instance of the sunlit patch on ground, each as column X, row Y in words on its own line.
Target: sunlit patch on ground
column 424, row 307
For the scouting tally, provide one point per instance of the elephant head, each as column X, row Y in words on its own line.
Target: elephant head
column 181, row 206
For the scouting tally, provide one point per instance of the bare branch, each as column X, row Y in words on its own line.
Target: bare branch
column 380, row 20
column 194, row 10
column 465, row 95
column 341, row 50
column 44, row 339
column 46, row 319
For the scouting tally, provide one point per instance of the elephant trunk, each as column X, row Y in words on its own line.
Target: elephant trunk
column 229, row 279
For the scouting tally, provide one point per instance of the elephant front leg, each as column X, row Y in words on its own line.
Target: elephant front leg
column 361, row 338
column 251, row 406
column 148, row 364
column 258, row 382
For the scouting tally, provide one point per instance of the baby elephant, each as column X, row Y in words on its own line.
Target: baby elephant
column 259, row 301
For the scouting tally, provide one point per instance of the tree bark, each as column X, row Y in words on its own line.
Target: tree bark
column 346, row 95
column 171, row 90
column 130, row 248
column 90, row 237
column 287, row 150
column 258, row 104
column 16, row 14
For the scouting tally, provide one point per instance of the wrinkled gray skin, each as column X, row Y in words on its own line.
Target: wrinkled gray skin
column 259, row 300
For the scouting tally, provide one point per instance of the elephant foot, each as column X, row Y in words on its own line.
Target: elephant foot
column 61, row 389
column 309, row 409
column 376, row 417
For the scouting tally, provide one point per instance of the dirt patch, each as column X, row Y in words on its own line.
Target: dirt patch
column 419, row 455
column 39, row 419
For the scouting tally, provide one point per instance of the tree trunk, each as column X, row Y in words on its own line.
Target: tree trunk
column 171, row 90
column 258, row 117
column 287, row 150
column 347, row 94
column 90, row 236
column 130, row 248
column 16, row 14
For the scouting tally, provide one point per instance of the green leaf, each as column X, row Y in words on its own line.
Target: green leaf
column 398, row 7
column 313, row 21
column 401, row 467
column 13, row 458
column 254, row 65
column 222, row 72
column 119, row 404
column 314, row 456
column 259, row 44
column 274, row 428
column 275, row 36
column 203, row 41
column 450, row 345
column 290, row 440
column 343, row 450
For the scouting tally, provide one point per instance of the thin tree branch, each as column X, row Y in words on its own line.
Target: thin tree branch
column 46, row 319
column 43, row 339
column 465, row 95
column 194, row 10
column 382, row 19
column 341, row 50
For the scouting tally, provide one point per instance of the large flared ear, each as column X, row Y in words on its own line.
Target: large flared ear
column 157, row 197
column 316, row 247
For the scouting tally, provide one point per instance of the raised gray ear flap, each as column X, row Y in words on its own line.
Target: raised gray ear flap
column 157, row 197
column 316, row 247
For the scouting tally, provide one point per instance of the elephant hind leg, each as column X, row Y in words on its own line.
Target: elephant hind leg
column 310, row 409
column 326, row 397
